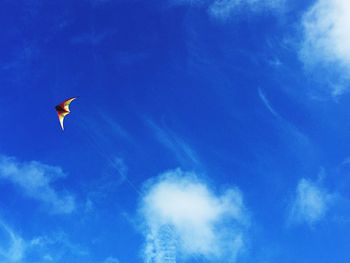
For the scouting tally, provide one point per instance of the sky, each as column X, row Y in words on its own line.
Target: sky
column 204, row 131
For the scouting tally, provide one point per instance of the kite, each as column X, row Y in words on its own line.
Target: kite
column 63, row 110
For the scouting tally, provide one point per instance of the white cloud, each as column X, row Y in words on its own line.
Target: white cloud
column 311, row 202
column 35, row 180
column 326, row 40
column 12, row 246
column 184, row 218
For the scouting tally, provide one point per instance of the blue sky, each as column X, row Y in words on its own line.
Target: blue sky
column 204, row 131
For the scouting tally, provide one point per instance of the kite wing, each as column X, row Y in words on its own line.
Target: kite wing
column 65, row 105
column 63, row 110
column 61, row 116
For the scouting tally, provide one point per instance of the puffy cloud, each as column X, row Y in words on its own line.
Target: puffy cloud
column 12, row 246
column 326, row 40
column 35, row 180
column 311, row 202
column 184, row 218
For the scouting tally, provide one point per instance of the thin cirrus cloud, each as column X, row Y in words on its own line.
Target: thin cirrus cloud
column 311, row 203
column 35, row 180
column 267, row 103
column 182, row 151
column 56, row 247
column 184, row 219
column 225, row 9
column 12, row 246
column 111, row 260
column 326, row 41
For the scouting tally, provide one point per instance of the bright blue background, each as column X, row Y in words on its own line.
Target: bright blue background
column 141, row 67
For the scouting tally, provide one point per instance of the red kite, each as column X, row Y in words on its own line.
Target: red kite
column 63, row 110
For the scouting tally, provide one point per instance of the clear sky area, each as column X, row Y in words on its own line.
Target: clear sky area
column 204, row 131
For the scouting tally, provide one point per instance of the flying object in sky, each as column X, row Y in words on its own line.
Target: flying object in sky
column 63, row 110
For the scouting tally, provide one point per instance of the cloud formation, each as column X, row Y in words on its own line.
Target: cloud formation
column 311, row 202
column 12, row 246
column 35, row 180
column 326, row 39
column 184, row 218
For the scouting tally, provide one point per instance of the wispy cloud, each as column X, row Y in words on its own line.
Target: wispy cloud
column 111, row 260
column 225, row 9
column 267, row 103
column 121, row 168
column 183, row 218
column 311, row 202
column 293, row 136
column 24, row 56
column 56, row 247
column 124, row 58
column 116, row 128
column 183, row 152
column 113, row 176
column 12, row 246
column 326, row 42
column 92, row 38
column 35, row 180
column 104, row 132
column 99, row 2
column 18, row 65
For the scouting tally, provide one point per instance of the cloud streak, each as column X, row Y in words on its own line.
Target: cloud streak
column 35, row 180
column 267, row 103
column 225, row 9
column 182, row 151
column 184, row 218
